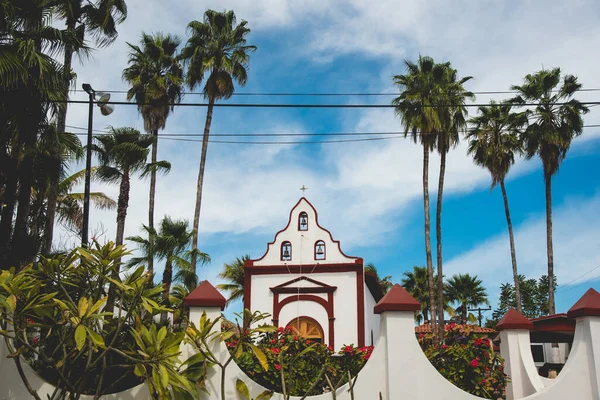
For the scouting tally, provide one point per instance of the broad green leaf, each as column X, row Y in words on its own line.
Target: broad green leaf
column 83, row 306
column 139, row 370
column 266, row 395
column 164, row 376
column 265, row 329
column 226, row 335
column 162, row 334
column 12, row 302
column 60, row 363
column 242, row 389
column 96, row 338
column 97, row 305
column 61, row 304
column 80, row 334
column 260, row 356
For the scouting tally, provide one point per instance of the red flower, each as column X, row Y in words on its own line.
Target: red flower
column 275, row 350
column 277, row 367
column 282, row 341
column 348, row 349
column 366, row 356
column 280, row 329
column 36, row 340
column 273, row 341
column 308, row 341
column 474, row 363
column 295, row 337
column 421, row 336
column 452, row 326
column 444, row 346
column 330, row 348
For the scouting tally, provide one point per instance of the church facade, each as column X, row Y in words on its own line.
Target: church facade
column 307, row 283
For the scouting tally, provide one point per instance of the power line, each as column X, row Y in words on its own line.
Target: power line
column 291, row 134
column 291, row 94
column 580, row 283
column 287, row 105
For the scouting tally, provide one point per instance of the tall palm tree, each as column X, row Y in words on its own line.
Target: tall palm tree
column 156, row 78
column 216, row 48
column 453, row 119
column 467, row 291
column 234, row 274
column 415, row 283
column 31, row 91
column 82, row 19
column 121, row 154
column 493, row 143
column 554, row 122
column 421, row 88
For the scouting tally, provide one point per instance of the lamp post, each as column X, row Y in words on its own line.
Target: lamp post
column 105, row 110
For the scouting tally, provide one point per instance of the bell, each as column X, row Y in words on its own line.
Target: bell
column 320, row 251
column 303, row 222
column 286, row 253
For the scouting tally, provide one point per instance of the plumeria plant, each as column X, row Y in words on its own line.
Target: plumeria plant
column 53, row 317
column 468, row 361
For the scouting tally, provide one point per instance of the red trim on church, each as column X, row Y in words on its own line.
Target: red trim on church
column 327, row 305
column 251, row 262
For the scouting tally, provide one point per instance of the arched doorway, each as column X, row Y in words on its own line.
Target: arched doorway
column 307, row 328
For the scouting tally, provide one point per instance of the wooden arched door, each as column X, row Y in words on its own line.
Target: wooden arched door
column 307, row 328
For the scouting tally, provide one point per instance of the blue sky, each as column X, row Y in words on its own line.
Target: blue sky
column 369, row 194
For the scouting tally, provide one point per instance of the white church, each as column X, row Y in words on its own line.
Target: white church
column 306, row 282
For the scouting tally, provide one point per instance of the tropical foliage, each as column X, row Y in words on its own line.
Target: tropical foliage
column 467, row 360
column 466, row 291
column 233, row 273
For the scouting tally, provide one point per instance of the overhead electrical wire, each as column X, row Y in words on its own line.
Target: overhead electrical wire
column 566, row 287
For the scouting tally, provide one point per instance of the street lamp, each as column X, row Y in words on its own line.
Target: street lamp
column 105, row 109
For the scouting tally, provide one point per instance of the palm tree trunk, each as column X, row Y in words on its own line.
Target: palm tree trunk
column 151, row 199
column 122, row 204
column 463, row 313
column 428, row 240
column 50, row 218
column 513, row 255
column 548, row 179
column 438, row 236
column 19, row 245
column 60, row 125
column 167, row 280
column 8, row 210
column 209, row 112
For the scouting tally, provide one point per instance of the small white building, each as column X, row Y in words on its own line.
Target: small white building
column 306, row 282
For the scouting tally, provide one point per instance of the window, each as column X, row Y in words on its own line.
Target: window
column 286, row 251
column 308, row 328
column 303, row 221
column 319, row 250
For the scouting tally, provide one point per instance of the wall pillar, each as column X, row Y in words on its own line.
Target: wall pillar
column 587, row 313
column 397, row 334
column 515, row 348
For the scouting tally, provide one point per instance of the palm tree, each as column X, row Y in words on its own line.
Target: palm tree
column 217, row 48
column 420, row 92
column 554, row 122
column 493, row 143
column 234, row 274
column 82, row 18
column 416, row 283
column 452, row 120
column 121, row 154
column 156, row 80
column 69, row 205
column 384, row 283
column 467, row 291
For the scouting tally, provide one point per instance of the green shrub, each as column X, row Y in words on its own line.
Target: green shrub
column 468, row 361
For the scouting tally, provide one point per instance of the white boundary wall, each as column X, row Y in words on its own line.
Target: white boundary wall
column 397, row 368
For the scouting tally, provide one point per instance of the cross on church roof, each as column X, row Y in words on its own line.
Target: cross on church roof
column 304, row 189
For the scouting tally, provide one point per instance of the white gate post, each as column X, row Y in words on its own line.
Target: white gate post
column 515, row 348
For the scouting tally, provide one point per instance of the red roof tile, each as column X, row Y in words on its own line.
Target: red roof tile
column 397, row 299
column 514, row 320
column 205, row 295
column 587, row 306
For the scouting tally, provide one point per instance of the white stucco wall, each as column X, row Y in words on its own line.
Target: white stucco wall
column 303, row 242
column 371, row 319
column 344, row 302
